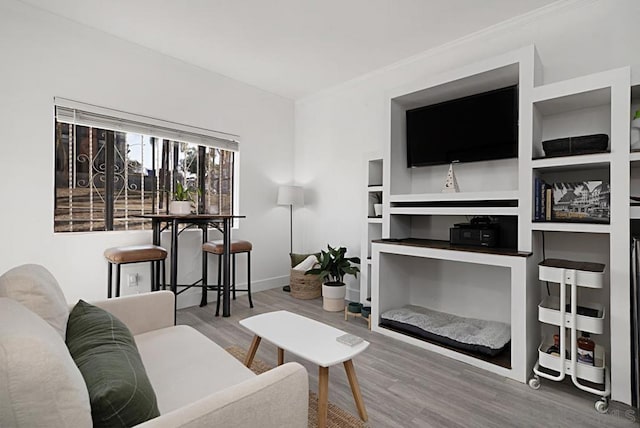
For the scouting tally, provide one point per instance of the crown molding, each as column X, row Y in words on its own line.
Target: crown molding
column 548, row 10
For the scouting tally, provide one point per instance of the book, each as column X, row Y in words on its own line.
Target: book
column 536, row 199
column 549, row 203
column 349, row 339
column 543, row 200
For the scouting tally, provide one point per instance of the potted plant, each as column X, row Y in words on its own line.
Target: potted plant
column 182, row 200
column 333, row 267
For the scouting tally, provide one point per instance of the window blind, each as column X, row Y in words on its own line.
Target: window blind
column 77, row 113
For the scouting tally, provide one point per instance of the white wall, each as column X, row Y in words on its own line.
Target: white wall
column 43, row 56
column 334, row 129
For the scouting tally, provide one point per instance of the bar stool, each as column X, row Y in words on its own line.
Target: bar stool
column 135, row 254
column 217, row 248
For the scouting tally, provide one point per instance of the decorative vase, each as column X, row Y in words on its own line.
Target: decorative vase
column 180, row 207
column 377, row 209
column 333, row 296
column 451, row 183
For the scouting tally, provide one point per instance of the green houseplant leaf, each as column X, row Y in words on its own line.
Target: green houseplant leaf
column 181, row 193
column 334, row 265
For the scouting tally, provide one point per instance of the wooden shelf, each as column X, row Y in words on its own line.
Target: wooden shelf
column 445, row 245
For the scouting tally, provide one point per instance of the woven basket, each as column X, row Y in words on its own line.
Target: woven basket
column 305, row 286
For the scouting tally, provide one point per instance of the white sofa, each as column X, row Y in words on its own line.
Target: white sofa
column 196, row 382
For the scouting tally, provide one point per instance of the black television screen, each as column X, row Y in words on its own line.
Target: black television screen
column 475, row 128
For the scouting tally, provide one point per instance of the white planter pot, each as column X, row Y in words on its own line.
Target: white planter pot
column 180, row 207
column 333, row 297
column 377, row 209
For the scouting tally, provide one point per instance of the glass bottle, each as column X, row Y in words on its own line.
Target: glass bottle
column 586, row 348
column 555, row 348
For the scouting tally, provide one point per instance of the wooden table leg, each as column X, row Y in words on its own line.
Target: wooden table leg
column 252, row 351
column 355, row 389
column 280, row 356
column 323, row 396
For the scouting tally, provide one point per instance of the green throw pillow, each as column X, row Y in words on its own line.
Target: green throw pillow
column 296, row 259
column 106, row 354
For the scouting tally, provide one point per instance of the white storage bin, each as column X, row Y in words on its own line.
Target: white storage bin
column 590, row 275
column 589, row 373
column 549, row 312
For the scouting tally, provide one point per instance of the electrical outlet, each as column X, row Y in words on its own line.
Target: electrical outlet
column 133, row 280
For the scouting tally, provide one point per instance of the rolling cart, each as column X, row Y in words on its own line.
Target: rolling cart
column 553, row 311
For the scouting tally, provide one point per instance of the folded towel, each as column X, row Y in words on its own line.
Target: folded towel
column 307, row 263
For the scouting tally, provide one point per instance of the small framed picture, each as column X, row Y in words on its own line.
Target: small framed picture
column 584, row 201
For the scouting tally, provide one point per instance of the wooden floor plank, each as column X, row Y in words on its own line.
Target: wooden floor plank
column 405, row 386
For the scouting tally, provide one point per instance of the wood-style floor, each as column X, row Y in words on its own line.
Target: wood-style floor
column 404, row 386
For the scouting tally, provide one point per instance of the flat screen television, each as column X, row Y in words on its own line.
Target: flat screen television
column 475, row 128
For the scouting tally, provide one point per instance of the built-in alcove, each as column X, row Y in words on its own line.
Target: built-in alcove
column 438, row 227
column 495, row 175
column 584, row 247
column 477, row 283
column 468, row 290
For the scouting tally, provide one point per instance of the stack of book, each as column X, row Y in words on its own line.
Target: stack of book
column 543, row 200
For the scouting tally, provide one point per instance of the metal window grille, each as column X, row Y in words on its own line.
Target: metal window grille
column 103, row 178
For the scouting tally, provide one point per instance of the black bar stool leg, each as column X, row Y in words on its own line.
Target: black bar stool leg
column 203, row 300
column 233, row 270
column 153, row 275
column 249, row 278
column 156, row 275
column 219, row 287
column 164, row 275
column 118, row 280
column 109, row 282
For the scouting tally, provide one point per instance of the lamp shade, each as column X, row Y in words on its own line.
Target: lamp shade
column 290, row 195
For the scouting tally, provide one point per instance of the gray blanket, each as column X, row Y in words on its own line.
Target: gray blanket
column 470, row 331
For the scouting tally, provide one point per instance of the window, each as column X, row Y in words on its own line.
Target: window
column 111, row 166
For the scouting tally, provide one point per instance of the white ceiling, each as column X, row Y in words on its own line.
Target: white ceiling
column 290, row 47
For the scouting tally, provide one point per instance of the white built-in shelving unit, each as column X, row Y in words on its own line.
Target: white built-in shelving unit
column 372, row 229
column 505, row 287
column 593, row 104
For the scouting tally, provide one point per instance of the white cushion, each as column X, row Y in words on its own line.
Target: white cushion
column 184, row 366
column 40, row 385
column 307, row 263
column 35, row 287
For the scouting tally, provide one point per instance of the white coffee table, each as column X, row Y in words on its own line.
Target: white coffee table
column 313, row 341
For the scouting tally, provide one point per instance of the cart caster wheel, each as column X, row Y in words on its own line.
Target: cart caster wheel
column 602, row 406
column 534, row 382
